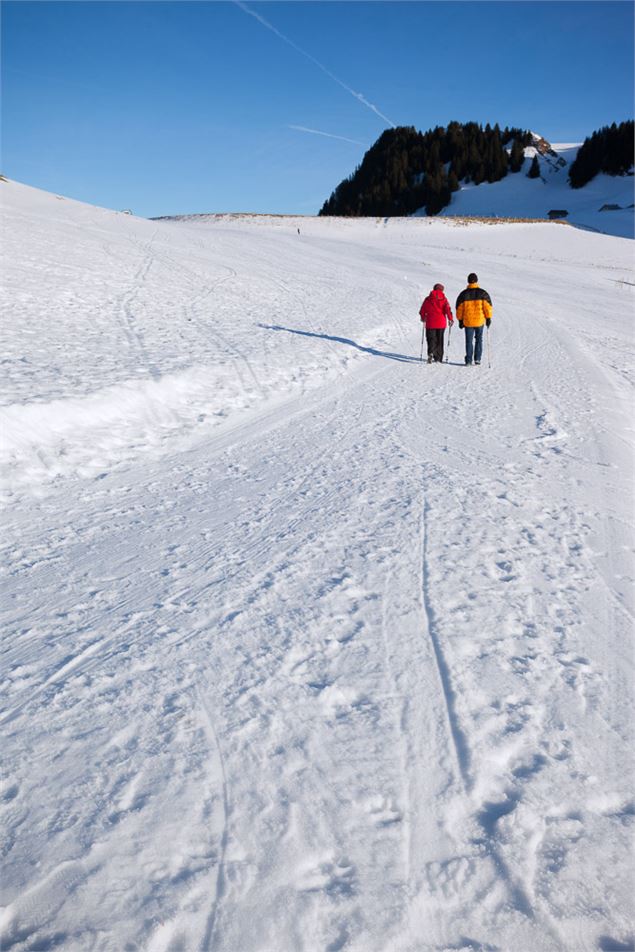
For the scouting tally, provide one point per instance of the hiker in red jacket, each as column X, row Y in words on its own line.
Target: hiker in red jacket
column 434, row 311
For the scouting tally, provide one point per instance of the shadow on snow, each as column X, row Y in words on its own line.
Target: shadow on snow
column 404, row 358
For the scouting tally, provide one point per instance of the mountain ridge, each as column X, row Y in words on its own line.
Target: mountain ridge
column 440, row 172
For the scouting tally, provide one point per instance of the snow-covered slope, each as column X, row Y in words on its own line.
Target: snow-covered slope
column 517, row 196
column 307, row 645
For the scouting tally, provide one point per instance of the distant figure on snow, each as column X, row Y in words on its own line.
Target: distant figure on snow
column 473, row 311
column 434, row 311
column 298, row 231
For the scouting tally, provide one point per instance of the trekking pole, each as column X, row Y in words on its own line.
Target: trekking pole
column 447, row 353
column 489, row 359
column 422, row 333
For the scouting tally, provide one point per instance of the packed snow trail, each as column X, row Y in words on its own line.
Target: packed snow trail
column 330, row 651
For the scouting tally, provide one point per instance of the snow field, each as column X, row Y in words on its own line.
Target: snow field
column 527, row 198
column 346, row 663
column 517, row 196
column 97, row 363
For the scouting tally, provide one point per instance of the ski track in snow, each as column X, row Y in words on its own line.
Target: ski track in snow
column 307, row 645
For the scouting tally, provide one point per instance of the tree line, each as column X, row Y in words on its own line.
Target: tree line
column 406, row 170
column 611, row 149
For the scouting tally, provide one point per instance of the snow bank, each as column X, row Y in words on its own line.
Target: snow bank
column 43, row 441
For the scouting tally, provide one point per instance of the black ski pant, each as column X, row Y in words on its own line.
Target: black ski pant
column 434, row 337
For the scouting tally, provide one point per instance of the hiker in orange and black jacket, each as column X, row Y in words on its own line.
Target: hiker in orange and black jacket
column 473, row 312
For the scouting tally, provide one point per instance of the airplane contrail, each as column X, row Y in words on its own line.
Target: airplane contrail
column 298, row 49
column 318, row 132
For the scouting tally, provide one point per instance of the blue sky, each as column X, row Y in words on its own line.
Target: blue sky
column 168, row 107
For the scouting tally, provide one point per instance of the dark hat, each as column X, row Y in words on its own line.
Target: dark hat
column 472, row 278
column 438, row 287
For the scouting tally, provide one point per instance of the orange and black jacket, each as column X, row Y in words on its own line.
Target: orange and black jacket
column 473, row 306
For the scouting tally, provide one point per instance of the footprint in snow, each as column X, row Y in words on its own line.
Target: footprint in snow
column 383, row 811
column 449, row 877
column 337, row 878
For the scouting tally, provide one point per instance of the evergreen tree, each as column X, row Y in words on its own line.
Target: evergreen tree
column 479, row 174
column 496, row 166
column 474, row 160
column 608, row 150
column 453, row 182
column 517, row 156
column 459, row 160
column 438, row 193
column 433, row 162
column 534, row 169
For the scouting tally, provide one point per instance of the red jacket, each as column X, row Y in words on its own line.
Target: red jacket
column 435, row 309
